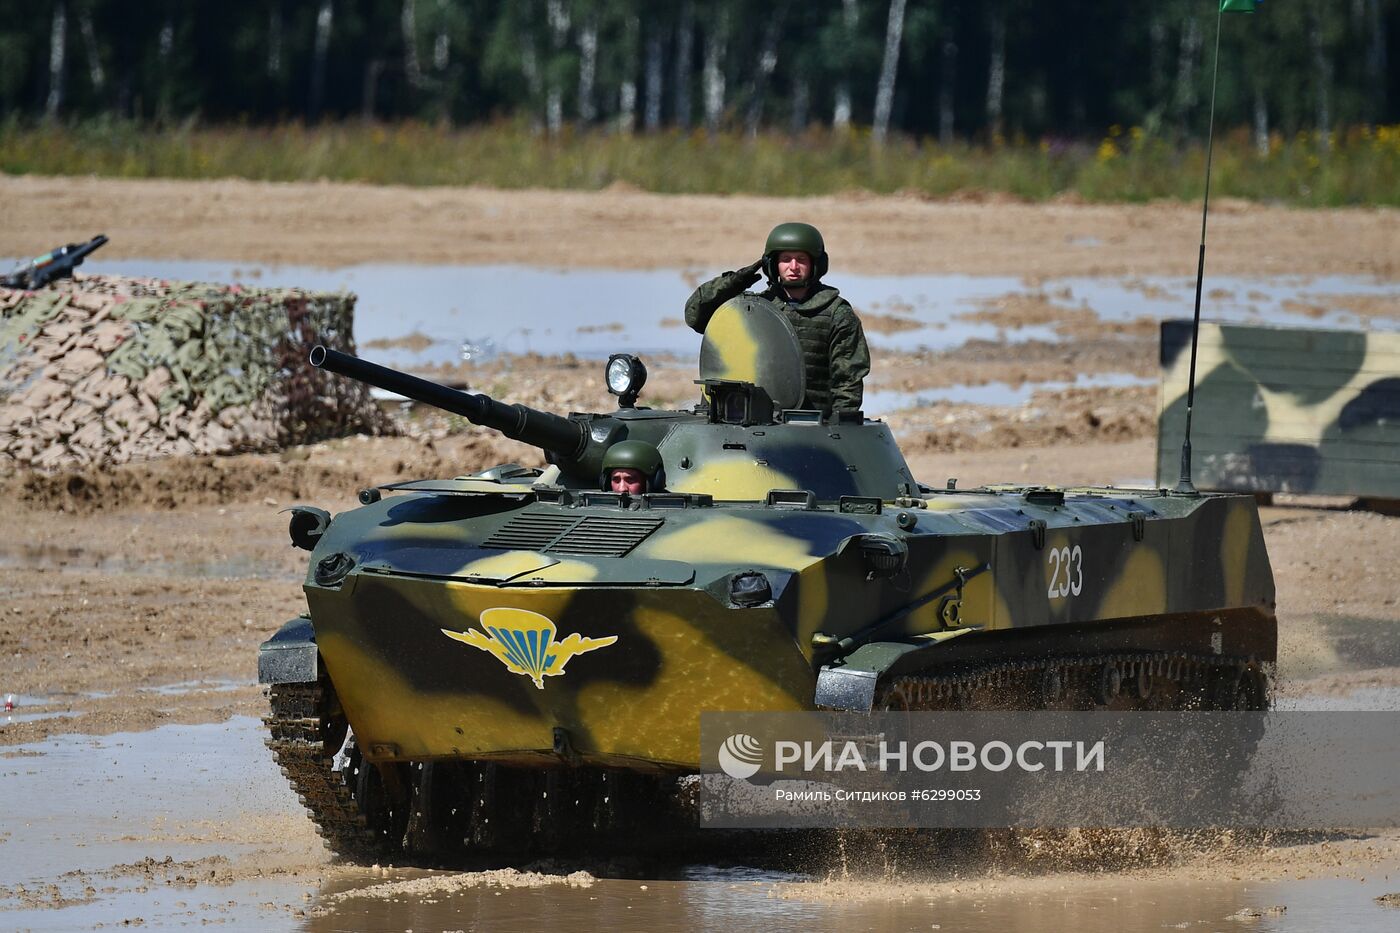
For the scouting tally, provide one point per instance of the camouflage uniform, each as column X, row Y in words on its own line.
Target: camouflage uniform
column 833, row 342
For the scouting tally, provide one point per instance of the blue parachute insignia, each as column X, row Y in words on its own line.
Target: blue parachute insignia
column 525, row 642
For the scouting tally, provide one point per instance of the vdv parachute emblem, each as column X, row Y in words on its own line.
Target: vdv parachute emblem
column 524, row 642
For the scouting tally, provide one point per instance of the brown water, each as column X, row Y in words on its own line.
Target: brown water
column 191, row 825
column 712, row 901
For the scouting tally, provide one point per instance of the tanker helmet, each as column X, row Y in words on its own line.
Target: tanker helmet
column 800, row 237
column 635, row 455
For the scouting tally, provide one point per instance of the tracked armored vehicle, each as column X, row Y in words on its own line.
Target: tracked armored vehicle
column 518, row 659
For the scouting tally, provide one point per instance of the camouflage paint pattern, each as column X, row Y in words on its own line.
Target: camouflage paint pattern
column 1283, row 410
column 760, row 348
column 654, row 605
column 412, row 692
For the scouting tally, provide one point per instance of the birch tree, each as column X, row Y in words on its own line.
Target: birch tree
column 767, row 64
column 274, row 41
column 850, row 26
column 558, row 21
column 1261, row 122
column 685, row 50
column 1066, row 68
column 801, row 103
column 587, row 70
column 442, row 41
column 947, row 85
column 94, row 58
column 58, row 49
column 627, row 88
column 165, row 51
column 1322, row 78
column 408, row 25
column 884, row 92
column 320, row 47
column 996, row 67
column 1188, row 56
column 652, row 120
column 712, row 77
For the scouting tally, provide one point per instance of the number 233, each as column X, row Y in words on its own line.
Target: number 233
column 1066, row 572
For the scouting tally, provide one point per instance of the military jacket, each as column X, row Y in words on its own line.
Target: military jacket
column 833, row 342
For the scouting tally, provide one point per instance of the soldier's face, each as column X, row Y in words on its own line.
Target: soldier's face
column 626, row 479
column 794, row 266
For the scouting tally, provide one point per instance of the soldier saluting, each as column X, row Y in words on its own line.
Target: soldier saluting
column 833, row 342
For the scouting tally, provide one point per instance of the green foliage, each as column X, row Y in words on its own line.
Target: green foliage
column 1069, row 67
column 1360, row 166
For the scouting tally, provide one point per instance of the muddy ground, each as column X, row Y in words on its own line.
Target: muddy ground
column 132, row 600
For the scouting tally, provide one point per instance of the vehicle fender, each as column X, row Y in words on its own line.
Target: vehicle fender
column 850, row 682
column 290, row 656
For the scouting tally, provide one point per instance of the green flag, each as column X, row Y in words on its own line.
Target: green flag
column 1237, row 6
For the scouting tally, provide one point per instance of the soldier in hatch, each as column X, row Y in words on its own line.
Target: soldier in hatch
column 633, row 467
column 833, row 342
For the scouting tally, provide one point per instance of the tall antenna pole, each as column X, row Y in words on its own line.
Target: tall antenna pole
column 1184, row 486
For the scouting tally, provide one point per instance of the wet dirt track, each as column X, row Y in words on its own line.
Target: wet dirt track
column 191, row 825
column 137, row 788
column 134, row 787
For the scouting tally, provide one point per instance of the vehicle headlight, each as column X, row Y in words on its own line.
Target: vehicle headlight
column 625, row 376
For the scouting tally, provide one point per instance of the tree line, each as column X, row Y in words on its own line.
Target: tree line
column 977, row 70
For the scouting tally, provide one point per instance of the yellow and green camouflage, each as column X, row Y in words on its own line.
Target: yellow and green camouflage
column 1283, row 410
column 523, row 620
column 757, row 348
column 835, row 356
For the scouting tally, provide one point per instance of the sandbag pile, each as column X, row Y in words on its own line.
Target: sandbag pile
column 109, row 369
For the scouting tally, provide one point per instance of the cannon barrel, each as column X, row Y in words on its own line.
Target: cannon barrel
column 561, row 436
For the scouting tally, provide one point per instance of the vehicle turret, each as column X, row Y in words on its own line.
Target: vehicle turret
column 745, row 439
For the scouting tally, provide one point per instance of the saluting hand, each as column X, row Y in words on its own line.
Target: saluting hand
column 751, row 273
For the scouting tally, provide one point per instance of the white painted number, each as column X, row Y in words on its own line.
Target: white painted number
column 1071, row 562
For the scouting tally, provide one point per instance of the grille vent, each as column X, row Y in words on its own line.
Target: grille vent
column 591, row 535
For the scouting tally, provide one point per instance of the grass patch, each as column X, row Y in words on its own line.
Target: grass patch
column 1360, row 166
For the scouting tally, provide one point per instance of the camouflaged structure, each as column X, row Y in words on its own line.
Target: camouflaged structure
column 1283, row 410
column 107, row 369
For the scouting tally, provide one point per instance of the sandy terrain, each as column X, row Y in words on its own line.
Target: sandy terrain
column 136, row 597
column 340, row 224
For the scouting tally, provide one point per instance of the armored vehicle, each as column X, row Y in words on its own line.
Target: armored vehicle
column 519, row 657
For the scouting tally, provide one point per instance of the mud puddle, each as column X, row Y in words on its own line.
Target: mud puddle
column 424, row 315
column 878, row 402
column 193, row 825
column 1086, row 903
column 1358, row 699
column 182, row 825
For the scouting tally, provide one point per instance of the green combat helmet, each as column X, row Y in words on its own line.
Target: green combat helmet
column 795, row 236
column 636, row 455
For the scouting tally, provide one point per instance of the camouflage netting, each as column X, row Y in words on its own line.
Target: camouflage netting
column 107, row 369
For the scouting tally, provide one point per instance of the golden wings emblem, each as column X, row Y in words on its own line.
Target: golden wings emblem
column 526, row 642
